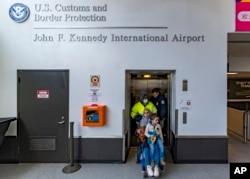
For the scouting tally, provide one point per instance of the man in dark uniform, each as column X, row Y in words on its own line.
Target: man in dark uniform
column 159, row 102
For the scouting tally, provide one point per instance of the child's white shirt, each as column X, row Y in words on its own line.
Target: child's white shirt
column 151, row 128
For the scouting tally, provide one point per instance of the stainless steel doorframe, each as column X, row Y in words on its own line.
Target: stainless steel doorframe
column 171, row 108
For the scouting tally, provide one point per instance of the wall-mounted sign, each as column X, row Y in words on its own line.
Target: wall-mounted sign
column 19, row 12
column 42, row 94
column 242, row 15
column 95, row 81
column 238, row 89
column 94, row 95
column 185, row 104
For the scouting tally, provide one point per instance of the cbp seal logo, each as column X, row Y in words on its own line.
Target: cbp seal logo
column 19, row 12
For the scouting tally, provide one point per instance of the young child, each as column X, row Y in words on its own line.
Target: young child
column 154, row 134
column 143, row 144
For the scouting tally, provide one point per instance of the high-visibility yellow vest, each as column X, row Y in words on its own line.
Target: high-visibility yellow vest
column 138, row 108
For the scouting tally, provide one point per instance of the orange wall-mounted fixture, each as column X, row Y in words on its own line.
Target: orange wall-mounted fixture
column 93, row 115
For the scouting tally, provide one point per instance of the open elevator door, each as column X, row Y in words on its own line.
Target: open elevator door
column 138, row 82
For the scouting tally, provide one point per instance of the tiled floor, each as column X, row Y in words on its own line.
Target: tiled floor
column 238, row 152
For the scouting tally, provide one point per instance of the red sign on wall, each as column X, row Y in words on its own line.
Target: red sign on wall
column 242, row 15
column 42, row 94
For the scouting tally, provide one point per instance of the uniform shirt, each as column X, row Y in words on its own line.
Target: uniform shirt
column 160, row 104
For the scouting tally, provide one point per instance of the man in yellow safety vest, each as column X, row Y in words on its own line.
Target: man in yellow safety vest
column 138, row 108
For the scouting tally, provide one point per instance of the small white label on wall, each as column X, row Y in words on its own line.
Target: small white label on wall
column 94, row 95
column 185, row 104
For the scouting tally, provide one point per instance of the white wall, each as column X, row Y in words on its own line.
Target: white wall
column 202, row 63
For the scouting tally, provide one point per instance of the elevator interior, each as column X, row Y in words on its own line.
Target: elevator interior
column 143, row 81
